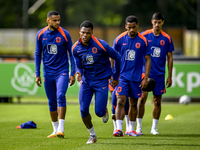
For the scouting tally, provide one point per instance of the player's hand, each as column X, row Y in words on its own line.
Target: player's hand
column 169, row 82
column 115, row 83
column 144, row 83
column 78, row 77
column 38, row 81
column 71, row 80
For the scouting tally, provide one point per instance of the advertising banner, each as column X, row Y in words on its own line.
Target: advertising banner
column 18, row 79
column 185, row 80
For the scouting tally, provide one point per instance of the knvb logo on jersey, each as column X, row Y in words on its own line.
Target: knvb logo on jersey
column 24, row 80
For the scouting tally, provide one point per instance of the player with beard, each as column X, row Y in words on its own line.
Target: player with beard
column 53, row 46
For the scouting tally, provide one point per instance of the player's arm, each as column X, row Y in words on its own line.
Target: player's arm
column 38, row 57
column 170, row 66
column 112, row 64
column 79, row 69
column 147, row 70
column 72, row 74
column 114, row 55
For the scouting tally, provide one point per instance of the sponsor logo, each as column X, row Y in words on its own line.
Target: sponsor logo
column 130, row 55
column 156, row 51
column 44, row 38
column 52, row 48
column 24, row 79
column 149, row 40
column 124, row 43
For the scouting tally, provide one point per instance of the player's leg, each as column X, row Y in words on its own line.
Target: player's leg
column 50, row 89
column 135, row 93
column 62, row 85
column 121, row 93
column 157, row 96
column 156, row 113
column 114, row 102
column 126, row 108
column 132, row 116
column 141, row 111
column 101, row 98
column 85, row 97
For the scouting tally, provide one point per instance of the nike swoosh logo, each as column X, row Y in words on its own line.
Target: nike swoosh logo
column 44, row 38
column 124, row 43
column 104, row 87
column 139, row 94
column 149, row 40
column 78, row 51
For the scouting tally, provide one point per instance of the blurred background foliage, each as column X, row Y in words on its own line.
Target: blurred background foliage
column 181, row 13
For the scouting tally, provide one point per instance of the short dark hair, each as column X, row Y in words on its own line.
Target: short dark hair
column 86, row 24
column 131, row 19
column 158, row 16
column 52, row 12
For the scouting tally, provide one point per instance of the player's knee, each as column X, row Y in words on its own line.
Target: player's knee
column 100, row 113
column 52, row 105
column 120, row 103
column 157, row 102
column 84, row 113
column 61, row 101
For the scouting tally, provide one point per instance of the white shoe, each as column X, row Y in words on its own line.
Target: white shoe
column 105, row 117
column 154, row 131
column 139, row 131
column 92, row 139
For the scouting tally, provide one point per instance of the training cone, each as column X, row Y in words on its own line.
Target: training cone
column 169, row 117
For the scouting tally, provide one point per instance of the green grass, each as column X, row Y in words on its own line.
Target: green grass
column 183, row 132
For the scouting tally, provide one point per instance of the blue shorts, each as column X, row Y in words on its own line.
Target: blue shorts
column 160, row 84
column 86, row 91
column 114, row 102
column 56, row 88
column 129, row 88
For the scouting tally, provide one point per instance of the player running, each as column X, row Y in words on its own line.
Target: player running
column 93, row 72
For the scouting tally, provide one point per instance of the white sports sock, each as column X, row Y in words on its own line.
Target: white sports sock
column 131, row 125
column 55, row 127
column 127, row 122
column 119, row 124
column 139, row 122
column 114, row 124
column 154, row 123
column 61, row 125
column 91, row 131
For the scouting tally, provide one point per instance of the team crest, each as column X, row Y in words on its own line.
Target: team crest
column 58, row 39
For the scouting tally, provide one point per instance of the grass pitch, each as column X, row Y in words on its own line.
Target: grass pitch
column 183, row 132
